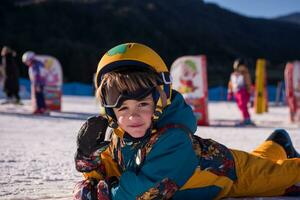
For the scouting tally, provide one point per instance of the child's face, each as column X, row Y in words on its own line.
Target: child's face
column 135, row 116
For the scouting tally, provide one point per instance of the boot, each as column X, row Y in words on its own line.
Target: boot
column 281, row 137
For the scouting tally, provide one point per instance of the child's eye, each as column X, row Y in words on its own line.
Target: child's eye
column 122, row 108
column 144, row 104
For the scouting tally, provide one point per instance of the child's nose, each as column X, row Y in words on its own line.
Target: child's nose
column 133, row 114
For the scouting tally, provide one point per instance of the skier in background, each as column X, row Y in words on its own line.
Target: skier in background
column 11, row 81
column 239, row 87
column 37, row 75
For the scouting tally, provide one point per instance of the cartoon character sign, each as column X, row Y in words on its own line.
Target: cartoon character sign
column 296, row 80
column 189, row 72
column 190, row 79
column 292, row 84
column 54, row 81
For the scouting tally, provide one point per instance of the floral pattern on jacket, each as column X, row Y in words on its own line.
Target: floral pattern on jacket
column 214, row 157
column 163, row 190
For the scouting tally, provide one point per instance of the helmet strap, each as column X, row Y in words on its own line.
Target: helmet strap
column 161, row 103
column 163, row 96
column 109, row 113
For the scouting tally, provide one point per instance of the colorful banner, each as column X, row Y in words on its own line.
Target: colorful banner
column 190, row 79
column 54, row 81
column 292, row 88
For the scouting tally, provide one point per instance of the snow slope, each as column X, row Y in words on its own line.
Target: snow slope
column 36, row 152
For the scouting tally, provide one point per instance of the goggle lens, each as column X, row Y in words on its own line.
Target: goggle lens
column 114, row 99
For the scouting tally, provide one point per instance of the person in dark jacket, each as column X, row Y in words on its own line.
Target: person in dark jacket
column 11, row 83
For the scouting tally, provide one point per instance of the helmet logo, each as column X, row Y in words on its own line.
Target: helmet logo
column 120, row 49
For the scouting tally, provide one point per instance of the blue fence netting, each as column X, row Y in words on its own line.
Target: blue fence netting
column 218, row 93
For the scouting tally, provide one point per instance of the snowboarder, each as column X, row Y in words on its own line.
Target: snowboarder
column 153, row 152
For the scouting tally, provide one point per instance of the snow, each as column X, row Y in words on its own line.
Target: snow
column 36, row 152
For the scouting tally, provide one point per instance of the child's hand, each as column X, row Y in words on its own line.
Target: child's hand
column 91, row 135
column 86, row 189
column 90, row 144
column 104, row 187
column 94, row 189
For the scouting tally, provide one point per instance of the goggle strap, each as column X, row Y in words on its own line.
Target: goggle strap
column 166, row 78
column 168, row 91
column 162, row 101
column 111, row 122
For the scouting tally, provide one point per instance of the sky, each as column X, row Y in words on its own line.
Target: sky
column 260, row 8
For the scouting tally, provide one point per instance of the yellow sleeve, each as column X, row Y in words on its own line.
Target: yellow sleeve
column 92, row 174
column 110, row 166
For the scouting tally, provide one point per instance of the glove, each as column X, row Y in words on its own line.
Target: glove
column 91, row 189
column 104, row 187
column 85, row 190
column 91, row 135
column 90, row 144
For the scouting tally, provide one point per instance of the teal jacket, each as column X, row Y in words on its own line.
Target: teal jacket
column 171, row 161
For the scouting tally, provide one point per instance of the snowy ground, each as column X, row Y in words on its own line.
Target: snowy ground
column 36, row 153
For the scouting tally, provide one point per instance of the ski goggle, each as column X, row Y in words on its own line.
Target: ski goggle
column 114, row 99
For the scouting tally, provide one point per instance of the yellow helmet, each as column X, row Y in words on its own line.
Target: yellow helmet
column 137, row 55
column 130, row 54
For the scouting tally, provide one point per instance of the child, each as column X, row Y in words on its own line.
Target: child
column 153, row 153
column 239, row 86
column 37, row 75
